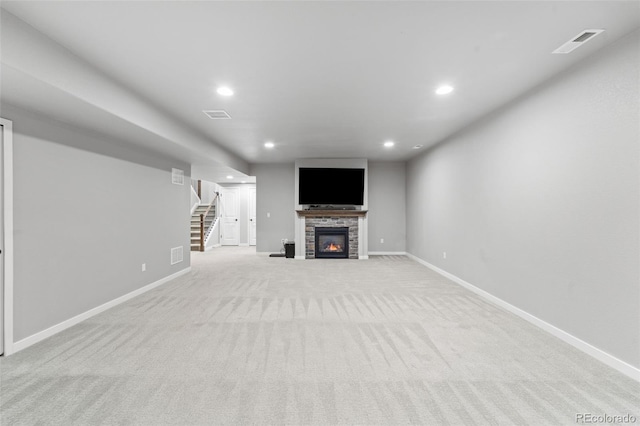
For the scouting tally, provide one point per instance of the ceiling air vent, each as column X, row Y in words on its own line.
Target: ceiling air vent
column 577, row 41
column 584, row 37
column 217, row 114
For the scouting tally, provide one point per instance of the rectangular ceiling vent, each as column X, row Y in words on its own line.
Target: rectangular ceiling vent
column 577, row 41
column 217, row 114
column 176, row 255
column 584, row 37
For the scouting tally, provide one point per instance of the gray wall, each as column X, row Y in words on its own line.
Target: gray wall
column 387, row 205
column 208, row 191
column 539, row 203
column 275, row 185
column 274, row 195
column 85, row 222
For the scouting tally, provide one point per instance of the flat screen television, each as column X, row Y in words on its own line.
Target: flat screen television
column 329, row 186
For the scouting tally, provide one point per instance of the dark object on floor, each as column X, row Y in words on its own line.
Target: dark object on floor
column 276, row 255
column 290, row 250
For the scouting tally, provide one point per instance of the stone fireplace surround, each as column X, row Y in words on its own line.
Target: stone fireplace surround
column 351, row 219
column 330, row 222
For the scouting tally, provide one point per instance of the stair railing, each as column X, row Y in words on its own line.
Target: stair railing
column 203, row 217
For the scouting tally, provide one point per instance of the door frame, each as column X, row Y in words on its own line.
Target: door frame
column 255, row 206
column 7, row 243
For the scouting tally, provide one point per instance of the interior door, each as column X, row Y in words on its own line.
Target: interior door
column 230, row 216
column 252, row 216
column 1, row 239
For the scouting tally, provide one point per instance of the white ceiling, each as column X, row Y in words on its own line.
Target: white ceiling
column 327, row 79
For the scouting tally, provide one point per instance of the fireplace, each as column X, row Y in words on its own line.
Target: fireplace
column 332, row 243
column 353, row 220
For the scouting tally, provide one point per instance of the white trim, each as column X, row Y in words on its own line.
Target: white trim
column 602, row 356
column 363, row 236
column 363, row 257
column 7, row 180
column 255, row 205
column 243, row 245
column 387, row 253
column 300, row 235
column 212, row 229
column 35, row 338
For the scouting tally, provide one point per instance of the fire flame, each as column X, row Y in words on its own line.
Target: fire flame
column 333, row 247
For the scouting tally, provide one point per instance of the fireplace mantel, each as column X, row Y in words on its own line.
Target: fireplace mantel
column 333, row 213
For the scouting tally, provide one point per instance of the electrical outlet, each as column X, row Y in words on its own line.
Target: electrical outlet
column 144, row 267
column 444, row 254
column 284, row 241
column 381, row 240
column 268, row 214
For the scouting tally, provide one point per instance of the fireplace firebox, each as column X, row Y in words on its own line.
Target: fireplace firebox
column 332, row 243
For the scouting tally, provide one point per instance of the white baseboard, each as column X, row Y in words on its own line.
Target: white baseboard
column 243, row 244
column 363, row 257
column 300, row 257
column 387, row 253
column 602, row 356
column 35, row 338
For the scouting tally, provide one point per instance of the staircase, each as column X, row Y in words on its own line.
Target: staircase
column 195, row 224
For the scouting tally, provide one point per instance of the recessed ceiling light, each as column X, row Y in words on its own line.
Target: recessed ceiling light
column 417, row 146
column 389, row 144
column 269, row 145
column 229, row 177
column 444, row 89
column 224, row 91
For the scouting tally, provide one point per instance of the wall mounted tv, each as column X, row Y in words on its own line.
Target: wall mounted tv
column 328, row 186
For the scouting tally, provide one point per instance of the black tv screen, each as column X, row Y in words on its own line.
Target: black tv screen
column 330, row 186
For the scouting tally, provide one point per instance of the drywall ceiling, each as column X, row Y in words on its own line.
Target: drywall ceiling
column 327, row 79
column 22, row 90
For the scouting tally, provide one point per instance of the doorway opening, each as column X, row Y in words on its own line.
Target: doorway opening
column 238, row 219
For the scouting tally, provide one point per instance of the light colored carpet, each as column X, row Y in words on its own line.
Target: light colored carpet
column 247, row 339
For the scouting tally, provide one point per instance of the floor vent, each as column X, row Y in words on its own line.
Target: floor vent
column 176, row 255
column 217, row 114
column 577, row 41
